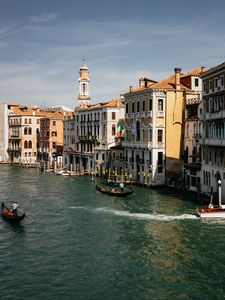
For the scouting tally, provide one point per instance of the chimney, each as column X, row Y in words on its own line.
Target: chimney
column 131, row 88
column 202, row 69
column 177, row 78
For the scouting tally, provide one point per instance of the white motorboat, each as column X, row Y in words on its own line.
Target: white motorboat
column 212, row 211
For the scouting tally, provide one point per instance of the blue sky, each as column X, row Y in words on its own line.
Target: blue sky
column 42, row 44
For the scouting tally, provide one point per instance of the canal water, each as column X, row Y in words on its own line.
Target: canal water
column 76, row 243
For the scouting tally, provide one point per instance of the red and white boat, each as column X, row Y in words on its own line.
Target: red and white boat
column 212, row 211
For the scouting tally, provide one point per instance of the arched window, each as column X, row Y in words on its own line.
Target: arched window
column 25, row 130
column 30, row 130
column 30, row 144
column 25, row 144
column 113, row 129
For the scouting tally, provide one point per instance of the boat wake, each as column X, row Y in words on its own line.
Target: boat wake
column 153, row 216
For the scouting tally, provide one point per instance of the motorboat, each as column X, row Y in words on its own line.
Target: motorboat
column 213, row 211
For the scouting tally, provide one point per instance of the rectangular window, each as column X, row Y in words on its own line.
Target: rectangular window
column 222, row 81
column 113, row 115
column 216, row 82
column 96, row 156
column 196, row 82
column 204, row 86
column 54, row 133
column 160, row 104
column 121, row 156
column 143, row 105
column 150, row 104
column 25, row 121
column 126, row 108
column 160, row 136
column 138, row 106
column 103, row 157
column 150, row 157
column 30, row 121
column 160, row 158
column 210, row 84
column 54, row 123
column 193, row 181
column 132, row 107
column 150, row 135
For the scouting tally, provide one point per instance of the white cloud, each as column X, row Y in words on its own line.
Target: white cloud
column 43, row 17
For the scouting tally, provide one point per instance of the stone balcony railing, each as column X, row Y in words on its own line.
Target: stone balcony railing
column 215, row 115
column 11, row 149
column 160, row 114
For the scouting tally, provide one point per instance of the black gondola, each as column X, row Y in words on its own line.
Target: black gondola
column 114, row 192
column 8, row 215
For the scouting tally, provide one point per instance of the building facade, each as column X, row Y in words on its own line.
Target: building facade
column 50, row 139
column 213, row 136
column 91, row 132
column 4, row 112
column 154, row 121
column 24, row 126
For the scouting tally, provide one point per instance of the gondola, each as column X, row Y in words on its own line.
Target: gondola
column 114, row 192
column 8, row 215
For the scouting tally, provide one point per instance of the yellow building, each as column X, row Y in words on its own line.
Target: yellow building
column 154, row 140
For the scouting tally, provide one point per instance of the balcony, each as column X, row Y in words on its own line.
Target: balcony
column 214, row 142
column 87, row 139
column 137, row 144
column 15, row 137
column 160, row 114
column 192, row 166
column 14, row 149
column 215, row 115
column 149, row 114
column 160, row 145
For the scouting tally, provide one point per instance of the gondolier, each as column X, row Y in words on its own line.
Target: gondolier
column 15, row 207
column 9, row 215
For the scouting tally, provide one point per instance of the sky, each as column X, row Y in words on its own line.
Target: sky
column 42, row 44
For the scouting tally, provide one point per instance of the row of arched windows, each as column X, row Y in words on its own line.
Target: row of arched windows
column 28, row 144
column 27, row 130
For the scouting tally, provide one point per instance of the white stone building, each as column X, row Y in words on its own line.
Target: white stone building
column 213, row 137
column 92, row 130
column 4, row 111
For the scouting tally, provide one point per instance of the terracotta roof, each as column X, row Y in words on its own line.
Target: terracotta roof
column 195, row 72
column 21, row 110
column 168, row 83
column 112, row 103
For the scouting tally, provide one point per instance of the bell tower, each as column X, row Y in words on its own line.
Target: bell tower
column 84, row 80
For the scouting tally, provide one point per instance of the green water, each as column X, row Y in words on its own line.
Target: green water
column 78, row 244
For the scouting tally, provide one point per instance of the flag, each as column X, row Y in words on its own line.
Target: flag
column 120, row 128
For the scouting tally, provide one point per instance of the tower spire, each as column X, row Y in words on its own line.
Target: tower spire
column 84, row 80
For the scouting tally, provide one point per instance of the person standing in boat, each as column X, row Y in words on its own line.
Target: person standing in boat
column 121, row 186
column 15, row 207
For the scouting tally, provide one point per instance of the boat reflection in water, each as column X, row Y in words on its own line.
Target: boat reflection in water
column 213, row 211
